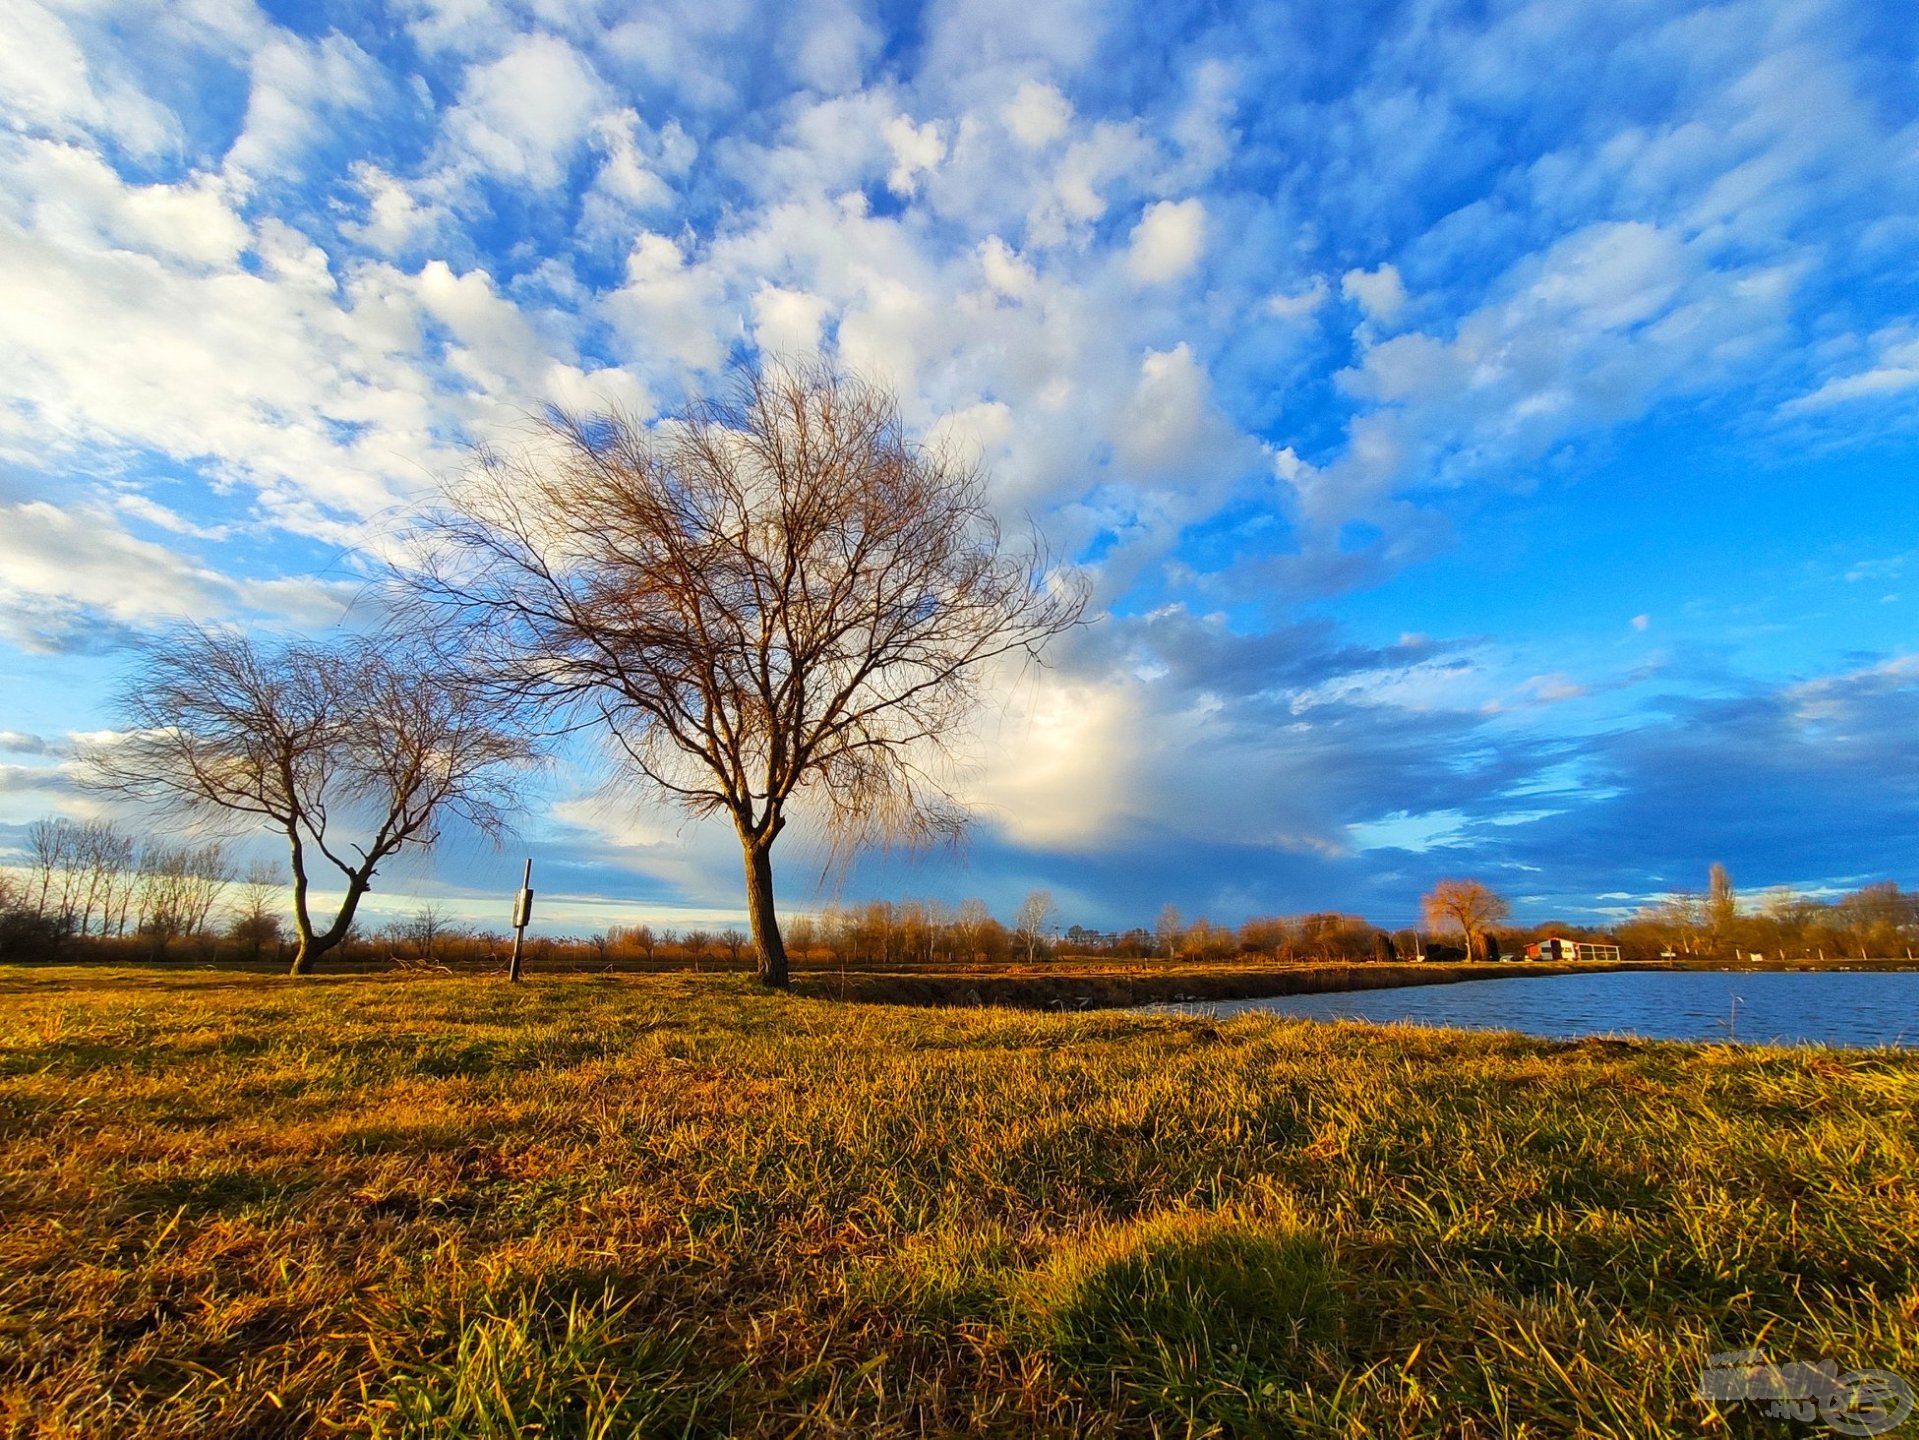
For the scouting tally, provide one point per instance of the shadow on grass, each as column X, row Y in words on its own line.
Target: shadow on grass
column 1209, row 1320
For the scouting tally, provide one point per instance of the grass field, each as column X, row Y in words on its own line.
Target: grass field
column 239, row 1206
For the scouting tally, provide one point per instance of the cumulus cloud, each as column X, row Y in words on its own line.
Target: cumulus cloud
column 1167, row 241
column 1379, row 293
column 295, row 88
column 1038, row 114
column 525, row 115
column 399, row 214
column 54, row 87
column 788, row 322
column 916, row 149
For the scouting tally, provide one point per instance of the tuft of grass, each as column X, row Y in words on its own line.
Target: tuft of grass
column 1206, row 1318
column 234, row 1207
column 526, row 1364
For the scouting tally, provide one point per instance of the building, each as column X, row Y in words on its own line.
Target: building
column 1555, row 947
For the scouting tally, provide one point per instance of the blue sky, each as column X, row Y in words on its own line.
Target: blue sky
column 1490, row 429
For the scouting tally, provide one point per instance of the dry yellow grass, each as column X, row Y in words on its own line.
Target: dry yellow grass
column 239, row 1206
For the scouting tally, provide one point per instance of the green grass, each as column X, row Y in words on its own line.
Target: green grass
column 241, row 1206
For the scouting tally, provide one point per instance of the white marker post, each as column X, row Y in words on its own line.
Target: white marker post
column 522, row 912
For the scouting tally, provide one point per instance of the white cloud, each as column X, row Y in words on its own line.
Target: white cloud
column 668, row 307
column 1379, row 293
column 976, row 432
column 1008, row 273
column 154, row 318
column 75, row 200
column 399, row 214
column 917, row 149
column 296, row 86
column 633, row 175
column 60, row 562
column 52, row 86
column 1112, row 154
column 1167, row 241
column 1038, row 114
column 832, row 43
column 1067, row 752
column 1298, row 304
column 1893, row 371
column 1605, row 323
column 787, row 322
column 526, row 115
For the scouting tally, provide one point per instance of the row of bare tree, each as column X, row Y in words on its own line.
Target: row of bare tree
column 1874, row 921
column 90, row 877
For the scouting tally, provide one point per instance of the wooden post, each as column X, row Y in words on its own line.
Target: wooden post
column 522, row 912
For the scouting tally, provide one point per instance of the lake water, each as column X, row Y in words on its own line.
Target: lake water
column 1830, row 1007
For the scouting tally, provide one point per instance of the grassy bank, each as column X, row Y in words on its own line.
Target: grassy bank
column 1106, row 984
column 238, row 1207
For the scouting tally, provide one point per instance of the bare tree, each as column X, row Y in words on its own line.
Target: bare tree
column 256, row 913
column 971, row 926
column 643, row 937
column 1722, row 906
column 1468, row 907
column 424, row 929
column 1035, row 918
column 774, row 592
column 733, row 942
column 1167, row 930
column 107, row 856
column 179, row 886
column 697, row 943
column 312, row 740
column 55, row 855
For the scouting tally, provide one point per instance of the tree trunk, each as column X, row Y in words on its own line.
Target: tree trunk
column 311, row 946
column 769, row 950
column 302, row 922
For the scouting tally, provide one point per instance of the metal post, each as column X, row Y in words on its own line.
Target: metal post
column 522, row 912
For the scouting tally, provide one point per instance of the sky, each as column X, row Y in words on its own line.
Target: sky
column 1489, row 430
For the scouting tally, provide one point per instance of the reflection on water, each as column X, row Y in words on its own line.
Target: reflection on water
column 1828, row 1007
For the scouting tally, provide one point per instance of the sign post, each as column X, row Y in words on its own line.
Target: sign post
column 522, row 912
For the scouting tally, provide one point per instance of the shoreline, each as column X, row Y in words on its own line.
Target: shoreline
column 1110, row 987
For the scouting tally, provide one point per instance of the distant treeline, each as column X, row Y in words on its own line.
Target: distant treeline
column 88, row 889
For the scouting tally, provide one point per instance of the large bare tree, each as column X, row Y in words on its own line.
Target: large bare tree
column 353, row 752
column 1469, row 906
column 776, row 591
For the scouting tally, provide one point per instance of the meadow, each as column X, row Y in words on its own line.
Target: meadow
column 674, row 1205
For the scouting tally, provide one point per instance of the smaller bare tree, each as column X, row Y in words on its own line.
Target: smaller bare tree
column 1167, row 931
column 256, row 920
column 1034, row 921
column 697, row 943
column 424, row 929
column 1467, row 906
column 179, row 886
column 971, row 926
column 311, row 740
column 107, row 857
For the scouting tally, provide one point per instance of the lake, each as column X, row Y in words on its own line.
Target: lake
column 1828, row 1007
